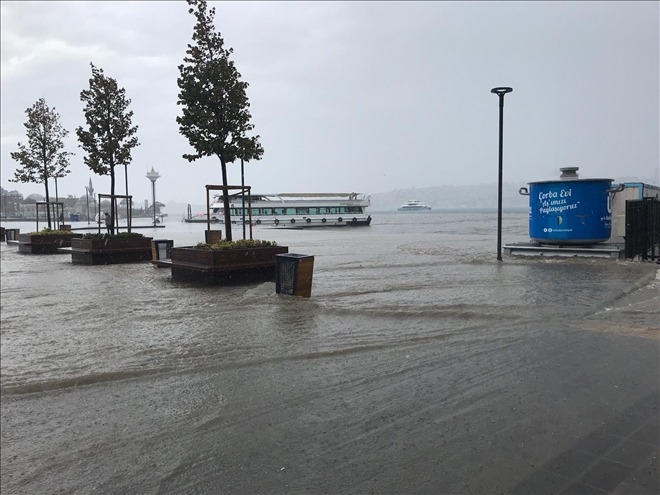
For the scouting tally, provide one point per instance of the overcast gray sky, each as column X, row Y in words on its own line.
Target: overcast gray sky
column 350, row 96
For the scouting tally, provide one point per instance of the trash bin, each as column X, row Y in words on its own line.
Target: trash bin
column 213, row 236
column 161, row 249
column 12, row 234
column 293, row 274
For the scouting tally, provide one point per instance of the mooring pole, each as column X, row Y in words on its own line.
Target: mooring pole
column 500, row 92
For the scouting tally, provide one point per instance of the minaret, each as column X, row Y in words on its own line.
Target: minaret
column 90, row 189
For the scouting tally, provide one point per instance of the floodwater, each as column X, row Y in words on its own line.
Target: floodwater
column 419, row 365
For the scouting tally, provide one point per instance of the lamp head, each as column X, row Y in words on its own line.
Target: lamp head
column 501, row 91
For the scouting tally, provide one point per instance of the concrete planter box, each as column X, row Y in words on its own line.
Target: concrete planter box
column 110, row 250
column 228, row 266
column 44, row 243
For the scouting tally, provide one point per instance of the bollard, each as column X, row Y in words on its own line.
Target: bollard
column 293, row 274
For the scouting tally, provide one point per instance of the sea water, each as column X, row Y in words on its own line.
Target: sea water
column 427, row 281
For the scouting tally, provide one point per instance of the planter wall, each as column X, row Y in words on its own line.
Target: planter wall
column 229, row 266
column 44, row 243
column 110, row 250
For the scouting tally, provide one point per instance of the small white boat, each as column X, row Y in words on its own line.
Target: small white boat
column 414, row 205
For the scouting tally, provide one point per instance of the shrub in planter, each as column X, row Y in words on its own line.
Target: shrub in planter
column 121, row 235
column 240, row 244
column 125, row 247
column 227, row 261
column 49, row 231
column 47, row 241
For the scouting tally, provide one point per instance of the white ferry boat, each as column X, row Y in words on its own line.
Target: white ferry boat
column 413, row 205
column 293, row 210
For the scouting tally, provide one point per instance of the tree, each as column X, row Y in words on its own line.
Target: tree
column 215, row 116
column 43, row 157
column 110, row 136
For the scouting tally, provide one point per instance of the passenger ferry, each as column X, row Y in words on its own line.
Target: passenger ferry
column 413, row 205
column 293, row 210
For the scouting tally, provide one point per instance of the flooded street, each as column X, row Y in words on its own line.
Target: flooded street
column 419, row 365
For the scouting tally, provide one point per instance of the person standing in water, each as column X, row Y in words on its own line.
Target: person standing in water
column 108, row 222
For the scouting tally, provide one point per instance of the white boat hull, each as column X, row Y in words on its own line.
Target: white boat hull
column 294, row 211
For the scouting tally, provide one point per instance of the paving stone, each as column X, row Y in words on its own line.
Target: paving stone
column 622, row 426
column 649, row 434
column 540, row 482
column 581, row 489
column 596, row 443
column 606, row 475
column 635, row 488
column 631, row 453
column 570, row 463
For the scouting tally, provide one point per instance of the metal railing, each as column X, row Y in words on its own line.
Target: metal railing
column 643, row 229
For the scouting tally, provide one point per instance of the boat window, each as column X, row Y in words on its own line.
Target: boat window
column 290, row 211
column 267, row 211
column 342, row 209
column 279, row 211
column 302, row 211
column 313, row 211
column 323, row 211
column 334, row 209
column 256, row 211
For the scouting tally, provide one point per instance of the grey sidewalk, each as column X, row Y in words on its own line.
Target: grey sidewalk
column 620, row 457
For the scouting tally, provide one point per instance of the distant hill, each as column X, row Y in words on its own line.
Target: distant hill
column 481, row 196
column 450, row 197
column 477, row 196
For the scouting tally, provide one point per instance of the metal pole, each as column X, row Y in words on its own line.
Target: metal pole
column 153, row 184
column 243, row 196
column 500, row 92
column 57, row 207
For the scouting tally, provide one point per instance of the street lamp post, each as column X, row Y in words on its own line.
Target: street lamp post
column 501, row 91
column 153, row 176
column 87, row 199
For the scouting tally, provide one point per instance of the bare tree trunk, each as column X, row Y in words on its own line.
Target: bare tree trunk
column 126, row 175
column 47, row 205
column 225, row 198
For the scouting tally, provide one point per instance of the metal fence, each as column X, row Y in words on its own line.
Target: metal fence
column 643, row 229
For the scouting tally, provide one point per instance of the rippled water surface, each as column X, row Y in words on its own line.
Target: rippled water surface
column 407, row 277
column 429, row 280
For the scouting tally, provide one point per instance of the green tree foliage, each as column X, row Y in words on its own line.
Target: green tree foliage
column 43, row 157
column 215, row 116
column 110, row 136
